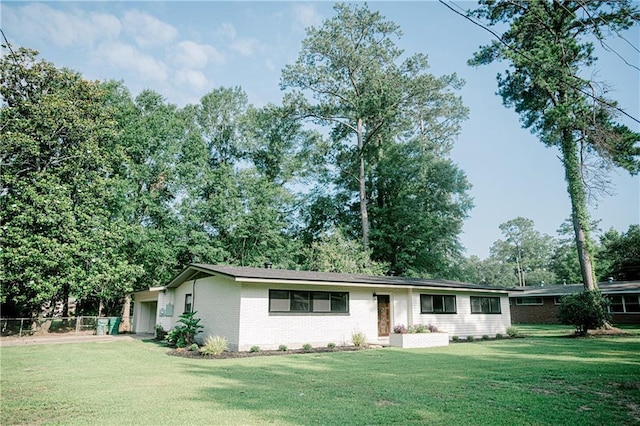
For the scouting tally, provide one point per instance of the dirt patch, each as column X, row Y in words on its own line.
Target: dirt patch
column 186, row 353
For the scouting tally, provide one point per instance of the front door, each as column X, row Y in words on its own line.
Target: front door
column 384, row 315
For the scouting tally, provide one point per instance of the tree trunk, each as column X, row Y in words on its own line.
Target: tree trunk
column 363, row 190
column 579, row 214
column 126, row 317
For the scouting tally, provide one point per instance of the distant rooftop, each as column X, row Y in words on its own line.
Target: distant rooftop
column 562, row 290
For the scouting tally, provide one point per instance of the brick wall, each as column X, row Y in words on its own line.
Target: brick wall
column 535, row 314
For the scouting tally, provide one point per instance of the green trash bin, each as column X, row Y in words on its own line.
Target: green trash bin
column 114, row 324
column 101, row 326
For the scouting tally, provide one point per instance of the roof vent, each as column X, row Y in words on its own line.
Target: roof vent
column 610, row 279
column 268, row 265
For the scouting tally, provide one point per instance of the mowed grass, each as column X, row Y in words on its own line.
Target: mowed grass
column 533, row 380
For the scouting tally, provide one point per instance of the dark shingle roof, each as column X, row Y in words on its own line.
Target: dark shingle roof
column 562, row 290
column 290, row 276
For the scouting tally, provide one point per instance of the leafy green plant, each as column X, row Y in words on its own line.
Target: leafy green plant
column 282, row 348
column 499, row 336
column 513, row 331
column 194, row 347
column 419, row 328
column 585, row 311
column 254, row 349
column 184, row 333
column 359, row 339
column 485, row 337
column 455, row 338
column 307, row 347
column 331, row 345
column 214, row 345
column 160, row 332
column 470, row 338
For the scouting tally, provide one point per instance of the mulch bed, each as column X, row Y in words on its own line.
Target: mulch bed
column 186, row 353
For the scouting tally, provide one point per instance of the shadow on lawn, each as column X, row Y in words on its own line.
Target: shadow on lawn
column 501, row 382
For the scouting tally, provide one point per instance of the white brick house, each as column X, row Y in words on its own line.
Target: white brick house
column 268, row 307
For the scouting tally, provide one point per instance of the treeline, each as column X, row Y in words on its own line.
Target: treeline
column 526, row 257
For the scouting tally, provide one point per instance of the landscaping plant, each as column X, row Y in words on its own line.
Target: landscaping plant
column 585, row 311
column 214, row 345
column 183, row 334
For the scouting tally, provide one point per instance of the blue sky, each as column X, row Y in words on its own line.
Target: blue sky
column 185, row 49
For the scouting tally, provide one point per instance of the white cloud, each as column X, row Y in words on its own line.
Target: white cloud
column 195, row 79
column 227, row 31
column 190, row 54
column 126, row 57
column 246, row 46
column 148, row 30
column 306, row 15
column 40, row 22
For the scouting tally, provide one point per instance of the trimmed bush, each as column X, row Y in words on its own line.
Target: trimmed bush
column 470, row 338
column 499, row 336
column 194, row 347
column 254, row 349
column 513, row 331
column 485, row 337
column 307, row 347
column 282, row 348
column 214, row 345
column 585, row 311
column 455, row 338
column 331, row 345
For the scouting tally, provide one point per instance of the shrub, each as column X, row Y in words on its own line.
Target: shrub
column 214, row 345
column 254, row 349
column 400, row 329
column 282, row 348
column 432, row 328
column 358, row 338
column 499, row 336
column 161, row 333
column 585, row 311
column 419, row 328
column 485, row 337
column 307, row 347
column 470, row 339
column 455, row 338
column 331, row 345
column 194, row 347
column 513, row 331
column 183, row 334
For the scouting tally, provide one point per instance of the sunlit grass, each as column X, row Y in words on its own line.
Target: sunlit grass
column 534, row 380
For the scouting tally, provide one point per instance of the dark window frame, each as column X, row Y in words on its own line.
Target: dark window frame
column 444, row 304
column 488, row 302
column 305, row 301
column 625, row 299
column 520, row 299
column 188, row 303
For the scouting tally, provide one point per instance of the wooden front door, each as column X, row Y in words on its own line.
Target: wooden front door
column 384, row 315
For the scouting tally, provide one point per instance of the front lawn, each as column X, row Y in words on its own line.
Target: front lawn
column 534, row 380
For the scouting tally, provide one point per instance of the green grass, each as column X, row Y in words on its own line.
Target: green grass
column 534, row 380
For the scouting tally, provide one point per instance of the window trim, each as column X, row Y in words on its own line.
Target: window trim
column 471, row 298
column 188, row 302
column 623, row 299
column 344, row 295
column 520, row 299
column 444, row 304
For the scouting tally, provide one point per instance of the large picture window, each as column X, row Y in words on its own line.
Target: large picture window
column 485, row 305
column 437, row 304
column 628, row 303
column 308, row 301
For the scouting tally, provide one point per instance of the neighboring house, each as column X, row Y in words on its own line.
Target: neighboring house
column 268, row 307
column 539, row 305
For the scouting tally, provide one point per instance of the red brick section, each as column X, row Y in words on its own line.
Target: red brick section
column 548, row 311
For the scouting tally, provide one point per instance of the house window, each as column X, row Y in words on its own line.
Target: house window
column 308, row 301
column 529, row 301
column 188, row 301
column 485, row 305
column 628, row 303
column 437, row 304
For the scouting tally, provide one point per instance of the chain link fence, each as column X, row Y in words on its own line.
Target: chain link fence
column 21, row 327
